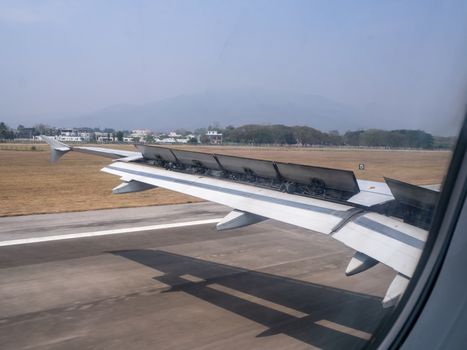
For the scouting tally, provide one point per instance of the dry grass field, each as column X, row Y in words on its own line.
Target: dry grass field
column 418, row 167
column 30, row 184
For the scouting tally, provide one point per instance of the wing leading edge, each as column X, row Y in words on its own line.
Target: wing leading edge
column 58, row 149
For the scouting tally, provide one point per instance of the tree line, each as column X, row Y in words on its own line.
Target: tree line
column 281, row 135
column 308, row 136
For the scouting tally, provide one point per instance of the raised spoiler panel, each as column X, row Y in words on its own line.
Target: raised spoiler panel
column 333, row 179
column 336, row 179
column 157, row 153
column 263, row 168
column 196, row 159
column 415, row 196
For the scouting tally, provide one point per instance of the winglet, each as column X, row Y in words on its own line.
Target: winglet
column 57, row 148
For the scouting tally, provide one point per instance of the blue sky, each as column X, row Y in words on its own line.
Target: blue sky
column 404, row 60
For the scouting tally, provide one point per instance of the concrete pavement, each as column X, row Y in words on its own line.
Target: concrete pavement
column 267, row 286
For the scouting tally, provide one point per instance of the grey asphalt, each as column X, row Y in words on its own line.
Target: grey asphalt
column 266, row 286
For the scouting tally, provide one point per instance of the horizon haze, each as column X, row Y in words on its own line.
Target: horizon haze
column 325, row 64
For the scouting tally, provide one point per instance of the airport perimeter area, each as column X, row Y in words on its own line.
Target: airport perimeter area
column 31, row 185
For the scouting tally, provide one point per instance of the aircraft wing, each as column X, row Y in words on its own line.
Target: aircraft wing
column 383, row 222
column 58, row 149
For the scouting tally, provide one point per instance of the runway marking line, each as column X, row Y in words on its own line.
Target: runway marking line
column 106, row 232
column 256, row 300
column 281, row 308
column 344, row 329
column 193, row 279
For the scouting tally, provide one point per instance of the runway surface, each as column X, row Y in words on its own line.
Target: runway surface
column 164, row 278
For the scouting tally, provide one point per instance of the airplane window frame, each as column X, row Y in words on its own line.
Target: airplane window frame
column 394, row 330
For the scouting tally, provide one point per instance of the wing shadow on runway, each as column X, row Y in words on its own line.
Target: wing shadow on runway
column 290, row 306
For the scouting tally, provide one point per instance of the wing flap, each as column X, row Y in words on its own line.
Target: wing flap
column 385, row 239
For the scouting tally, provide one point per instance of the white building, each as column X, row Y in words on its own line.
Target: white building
column 105, row 139
column 73, row 135
column 67, row 132
column 141, row 133
column 168, row 140
column 86, row 136
column 66, row 138
column 214, row 137
column 174, row 135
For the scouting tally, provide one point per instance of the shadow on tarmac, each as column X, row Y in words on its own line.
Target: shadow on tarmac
column 313, row 302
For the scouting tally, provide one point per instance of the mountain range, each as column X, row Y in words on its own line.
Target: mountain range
column 224, row 107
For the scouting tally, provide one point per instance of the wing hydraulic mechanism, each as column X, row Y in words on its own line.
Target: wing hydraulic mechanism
column 383, row 222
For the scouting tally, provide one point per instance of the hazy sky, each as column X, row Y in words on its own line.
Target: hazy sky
column 405, row 60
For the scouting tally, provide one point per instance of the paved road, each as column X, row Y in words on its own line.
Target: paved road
column 267, row 286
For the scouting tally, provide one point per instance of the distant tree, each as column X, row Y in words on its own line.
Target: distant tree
column 5, row 132
column 193, row 140
column 444, row 142
column 226, row 132
column 3, row 127
column 352, row 138
column 250, row 134
column 149, row 139
column 204, row 139
column 43, row 129
column 393, row 139
column 119, row 135
column 309, row 136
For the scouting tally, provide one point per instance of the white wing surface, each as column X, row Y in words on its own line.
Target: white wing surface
column 59, row 149
column 383, row 238
column 367, row 216
column 310, row 213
